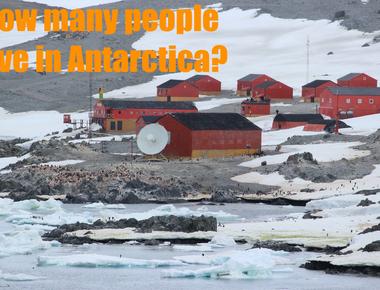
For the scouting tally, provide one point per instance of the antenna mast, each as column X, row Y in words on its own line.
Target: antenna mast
column 90, row 87
column 307, row 59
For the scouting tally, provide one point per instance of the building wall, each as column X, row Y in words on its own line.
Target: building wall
column 286, row 125
column 314, row 127
column 358, row 105
column 252, row 110
column 208, row 144
column 180, row 138
column 308, row 93
column 362, row 80
column 182, row 91
column 245, row 88
column 278, row 91
column 208, row 86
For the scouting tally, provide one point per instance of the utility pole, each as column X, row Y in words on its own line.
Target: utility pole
column 307, row 59
column 90, row 87
column 337, row 113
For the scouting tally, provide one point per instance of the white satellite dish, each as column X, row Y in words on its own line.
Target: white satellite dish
column 152, row 139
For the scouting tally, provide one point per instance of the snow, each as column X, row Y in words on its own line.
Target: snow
column 63, row 162
column 100, row 205
column 360, row 241
column 73, row 4
column 216, row 102
column 15, row 37
column 103, row 261
column 6, row 161
column 277, row 137
column 365, row 125
column 325, row 152
column 251, row 264
column 276, row 47
column 33, row 124
column 196, row 248
column 371, row 259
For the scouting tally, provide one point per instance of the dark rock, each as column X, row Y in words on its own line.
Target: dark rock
column 330, row 53
column 68, row 130
column 311, row 215
column 368, row 192
column 223, row 196
column 372, row 247
column 340, row 15
column 151, row 243
column 365, row 45
column 366, row 202
column 276, row 246
column 264, row 163
column 305, row 157
column 374, row 228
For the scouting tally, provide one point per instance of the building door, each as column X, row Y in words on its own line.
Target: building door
column 169, row 98
column 312, row 100
column 119, row 125
column 249, row 93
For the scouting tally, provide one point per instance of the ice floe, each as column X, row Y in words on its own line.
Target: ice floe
column 103, row 261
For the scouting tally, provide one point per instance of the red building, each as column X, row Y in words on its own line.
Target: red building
column 142, row 121
column 248, row 83
column 273, row 90
column 210, row 135
column 350, row 102
column 177, row 90
column 254, row 108
column 324, row 126
column 207, row 85
column 357, row 80
column 287, row 121
column 120, row 116
column 311, row 92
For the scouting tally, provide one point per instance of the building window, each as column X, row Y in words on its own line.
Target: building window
column 364, row 78
column 113, row 126
column 371, row 101
column 323, row 100
column 330, row 100
column 360, row 101
column 119, row 125
column 348, row 101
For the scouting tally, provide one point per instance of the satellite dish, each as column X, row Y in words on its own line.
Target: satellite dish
column 152, row 139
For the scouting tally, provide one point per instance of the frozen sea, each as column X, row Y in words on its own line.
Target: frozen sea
column 107, row 277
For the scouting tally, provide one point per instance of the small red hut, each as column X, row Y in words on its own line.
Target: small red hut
column 206, row 84
column 210, row 135
column 142, row 121
column 357, row 80
column 177, row 90
column 248, row 83
column 273, row 90
column 254, row 107
column 287, row 121
column 311, row 92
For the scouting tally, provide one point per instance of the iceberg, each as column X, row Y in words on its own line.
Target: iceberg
column 103, row 261
column 22, row 243
column 221, row 240
column 196, row 248
column 18, row 277
column 251, row 264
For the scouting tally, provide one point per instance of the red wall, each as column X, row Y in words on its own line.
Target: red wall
column 131, row 113
column 255, row 109
column 314, row 127
column 277, row 91
column 183, row 141
column 208, row 84
column 249, row 85
column 183, row 89
column 308, row 93
column 363, row 80
column 224, row 140
column 287, row 125
column 359, row 105
column 180, row 138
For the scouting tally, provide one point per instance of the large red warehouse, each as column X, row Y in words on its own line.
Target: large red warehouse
column 350, row 102
column 287, row 121
column 207, row 85
column 177, row 90
column 120, row 116
column 248, row 83
column 273, row 90
column 357, row 80
column 210, row 135
column 311, row 92
column 254, row 108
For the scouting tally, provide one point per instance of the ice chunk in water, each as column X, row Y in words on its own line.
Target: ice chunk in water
column 251, row 264
column 221, row 240
column 102, row 261
column 18, row 277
